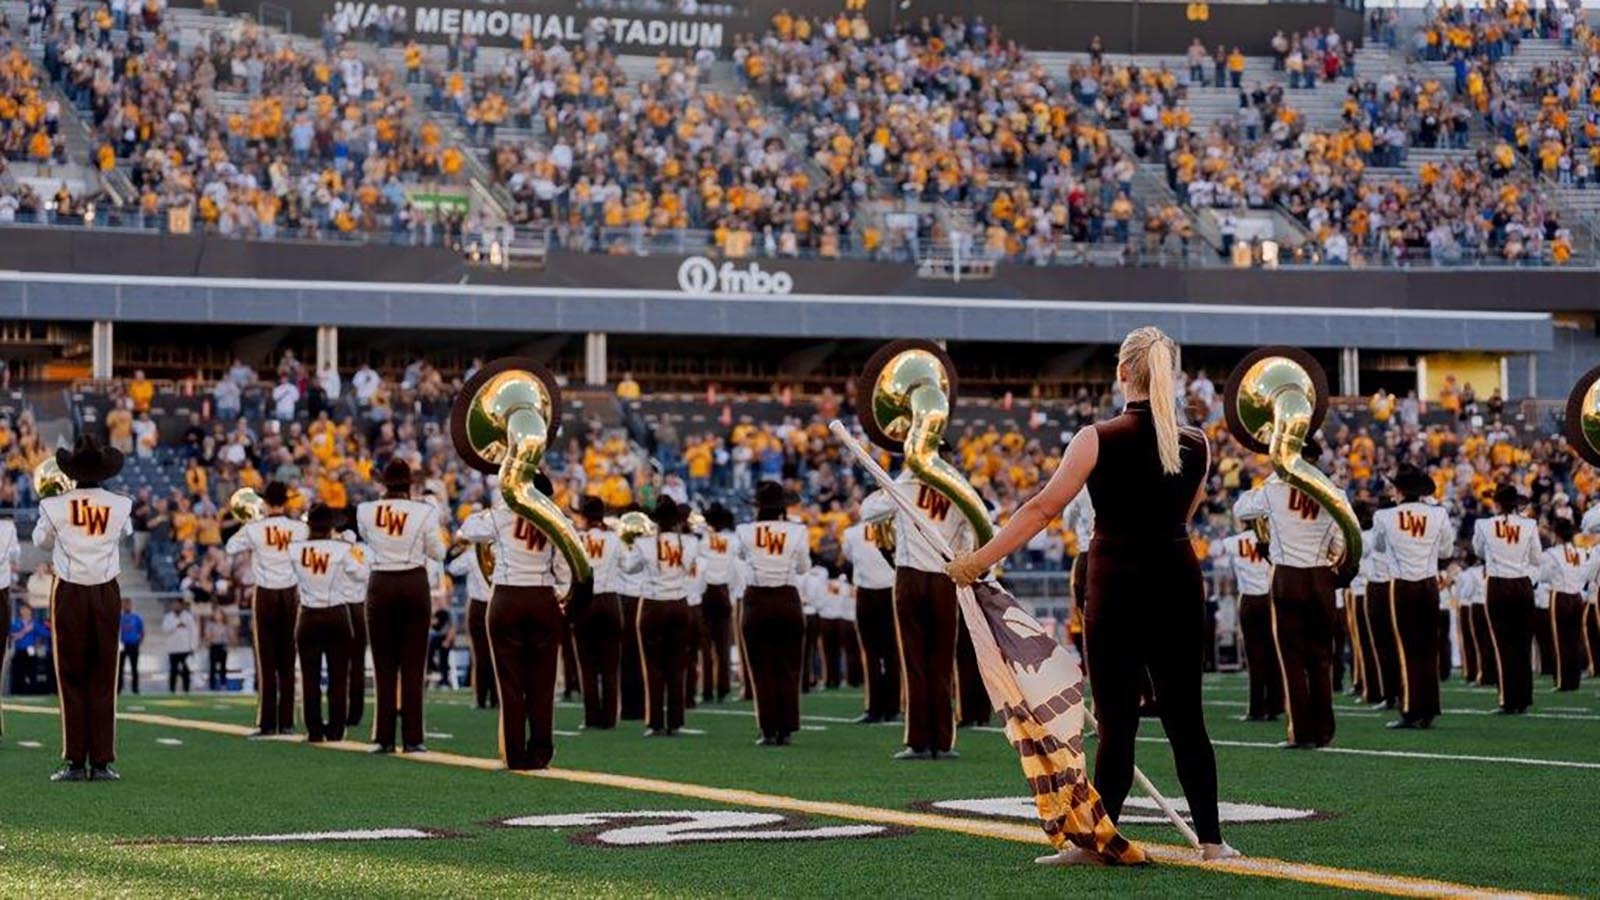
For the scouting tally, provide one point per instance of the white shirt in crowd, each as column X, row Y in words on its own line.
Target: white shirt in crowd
column 284, row 398
column 365, row 382
column 183, row 633
column 400, row 533
column 465, row 565
column 1252, row 574
column 83, row 530
column 605, row 551
column 778, row 552
column 665, row 563
column 911, row 549
column 330, row 382
column 10, row 553
column 869, row 568
column 1567, row 568
column 321, row 567
column 523, row 555
column 268, row 540
column 1414, row 537
column 1304, row 535
column 1508, row 546
column 1469, row 586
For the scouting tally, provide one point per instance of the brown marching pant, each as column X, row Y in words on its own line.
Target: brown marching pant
column 1414, row 609
column 1261, row 658
column 663, row 628
column 973, row 706
column 833, row 667
column 272, row 617
column 1510, row 606
column 813, row 652
column 1371, row 678
column 1445, row 657
column 525, row 627
column 397, row 626
column 1566, row 621
column 880, row 652
column 716, row 616
column 693, row 641
column 358, row 664
column 571, row 677
column 1483, row 641
column 1302, row 629
column 773, row 627
column 1341, row 637
column 632, row 673
column 85, row 625
column 926, row 614
column 1544, row 637
column 1385, row 654
column 1469, row 644
column 597, row 629
column 1591, row 635
column 483, row 687
column 324, row 634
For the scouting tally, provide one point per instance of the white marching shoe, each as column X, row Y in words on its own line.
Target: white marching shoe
column 1218, row 852
column 1071, row 856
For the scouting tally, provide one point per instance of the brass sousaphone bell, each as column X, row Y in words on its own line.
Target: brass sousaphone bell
column 245, row 505
column 1583, row 417
column 502, row 422
column 1274, row 402
column 909, row 387
column 630, row 526
column 49, row 480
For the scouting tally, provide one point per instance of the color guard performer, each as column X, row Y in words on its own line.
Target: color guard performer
column 1246, row 556
column 468, row 564
column 771, row 618
column 1567, row 569
column 1305, row 542
column 402, row 535
column 718, row 571
column 274, row 607
column 665, row 560
column 322, row 627
column 873, row 576
column 525, row 625
column 1509, row 546
column 82, row 528
column 926, row 615
column 1467, row 589
column 1415, row 537
column 597, row 627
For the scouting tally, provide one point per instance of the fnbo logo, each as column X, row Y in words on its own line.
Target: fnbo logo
column 700, row 276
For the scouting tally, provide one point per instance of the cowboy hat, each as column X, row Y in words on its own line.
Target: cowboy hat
column 88, row 462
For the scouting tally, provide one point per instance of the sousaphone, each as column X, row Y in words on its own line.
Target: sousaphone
column 502, row 422
column 1583, row 417
column 1275, row 400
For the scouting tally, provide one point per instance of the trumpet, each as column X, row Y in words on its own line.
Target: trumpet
column 245, row 505
column 1583, row 417
column 49, row 480
column 1275, row 399
column 630, row 526
column 910, row 386
column 502, row 422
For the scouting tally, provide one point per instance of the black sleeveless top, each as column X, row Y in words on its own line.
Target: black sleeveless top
column 1133, row 499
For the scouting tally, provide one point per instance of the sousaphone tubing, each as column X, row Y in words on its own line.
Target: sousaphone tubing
column 1583, row 417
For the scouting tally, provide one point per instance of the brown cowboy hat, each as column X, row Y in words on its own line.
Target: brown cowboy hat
column 89, row 462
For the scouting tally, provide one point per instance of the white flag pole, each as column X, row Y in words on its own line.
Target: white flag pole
column 939, row 544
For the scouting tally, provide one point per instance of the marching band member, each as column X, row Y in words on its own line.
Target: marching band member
column 403, row 535
column 1468, row 592
column 665, row 560
column 831, row 597
column 598, row 626
column 1591, row 608
column 468, row 564
column 10, row 552
column 693, row 633
column 1509, row 546
column 717, row 568
column 1567, row 568
column 771, row 618
column 873, row 576
column 352, row 591
column 1539, row 625
column 812, row 586
column 1385, row 655
column 322, row 628
column 524, row 624
column 630, row 587
column 926, row 614
column 1305, row 542
column 83, row 529
column 849, row 638
column 274, row 607
column 1415, row 536
column 1246, row 556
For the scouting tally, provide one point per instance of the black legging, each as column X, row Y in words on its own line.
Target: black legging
column 217, row 676
column 1145, row 610
column 177, row 670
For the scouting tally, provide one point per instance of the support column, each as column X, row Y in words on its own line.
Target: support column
column 1533, row 376
column 1350, row 372
column 327, row 347
column 100, row 344
column 594, row 359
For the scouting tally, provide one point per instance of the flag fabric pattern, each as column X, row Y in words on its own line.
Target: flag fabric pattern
column 1036, row 684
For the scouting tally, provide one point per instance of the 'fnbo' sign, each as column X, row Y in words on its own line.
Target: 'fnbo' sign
column 495, row 25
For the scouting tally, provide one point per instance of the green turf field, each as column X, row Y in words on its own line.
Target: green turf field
column 1452, row 813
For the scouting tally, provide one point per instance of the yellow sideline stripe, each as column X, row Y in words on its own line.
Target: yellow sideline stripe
column 1260, row 867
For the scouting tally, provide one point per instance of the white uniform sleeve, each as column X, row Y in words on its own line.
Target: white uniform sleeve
column 563, row 573
column 1534, row 548
column 44, row 531
column 633, row 560
column 478, row 528
column 802, row 556
column 1591, row 519
column 462, row 563
column 1380, row 540
column 1549, row 570
column 1447, row 544
column 238, row 542
column 1480, row 541
column 433, row 545
column 355, row 564
column 878, row 504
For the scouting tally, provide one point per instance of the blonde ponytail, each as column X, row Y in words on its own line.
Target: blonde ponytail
column 1150, row 361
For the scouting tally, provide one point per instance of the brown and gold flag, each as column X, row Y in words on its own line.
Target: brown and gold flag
column 1037, row 686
